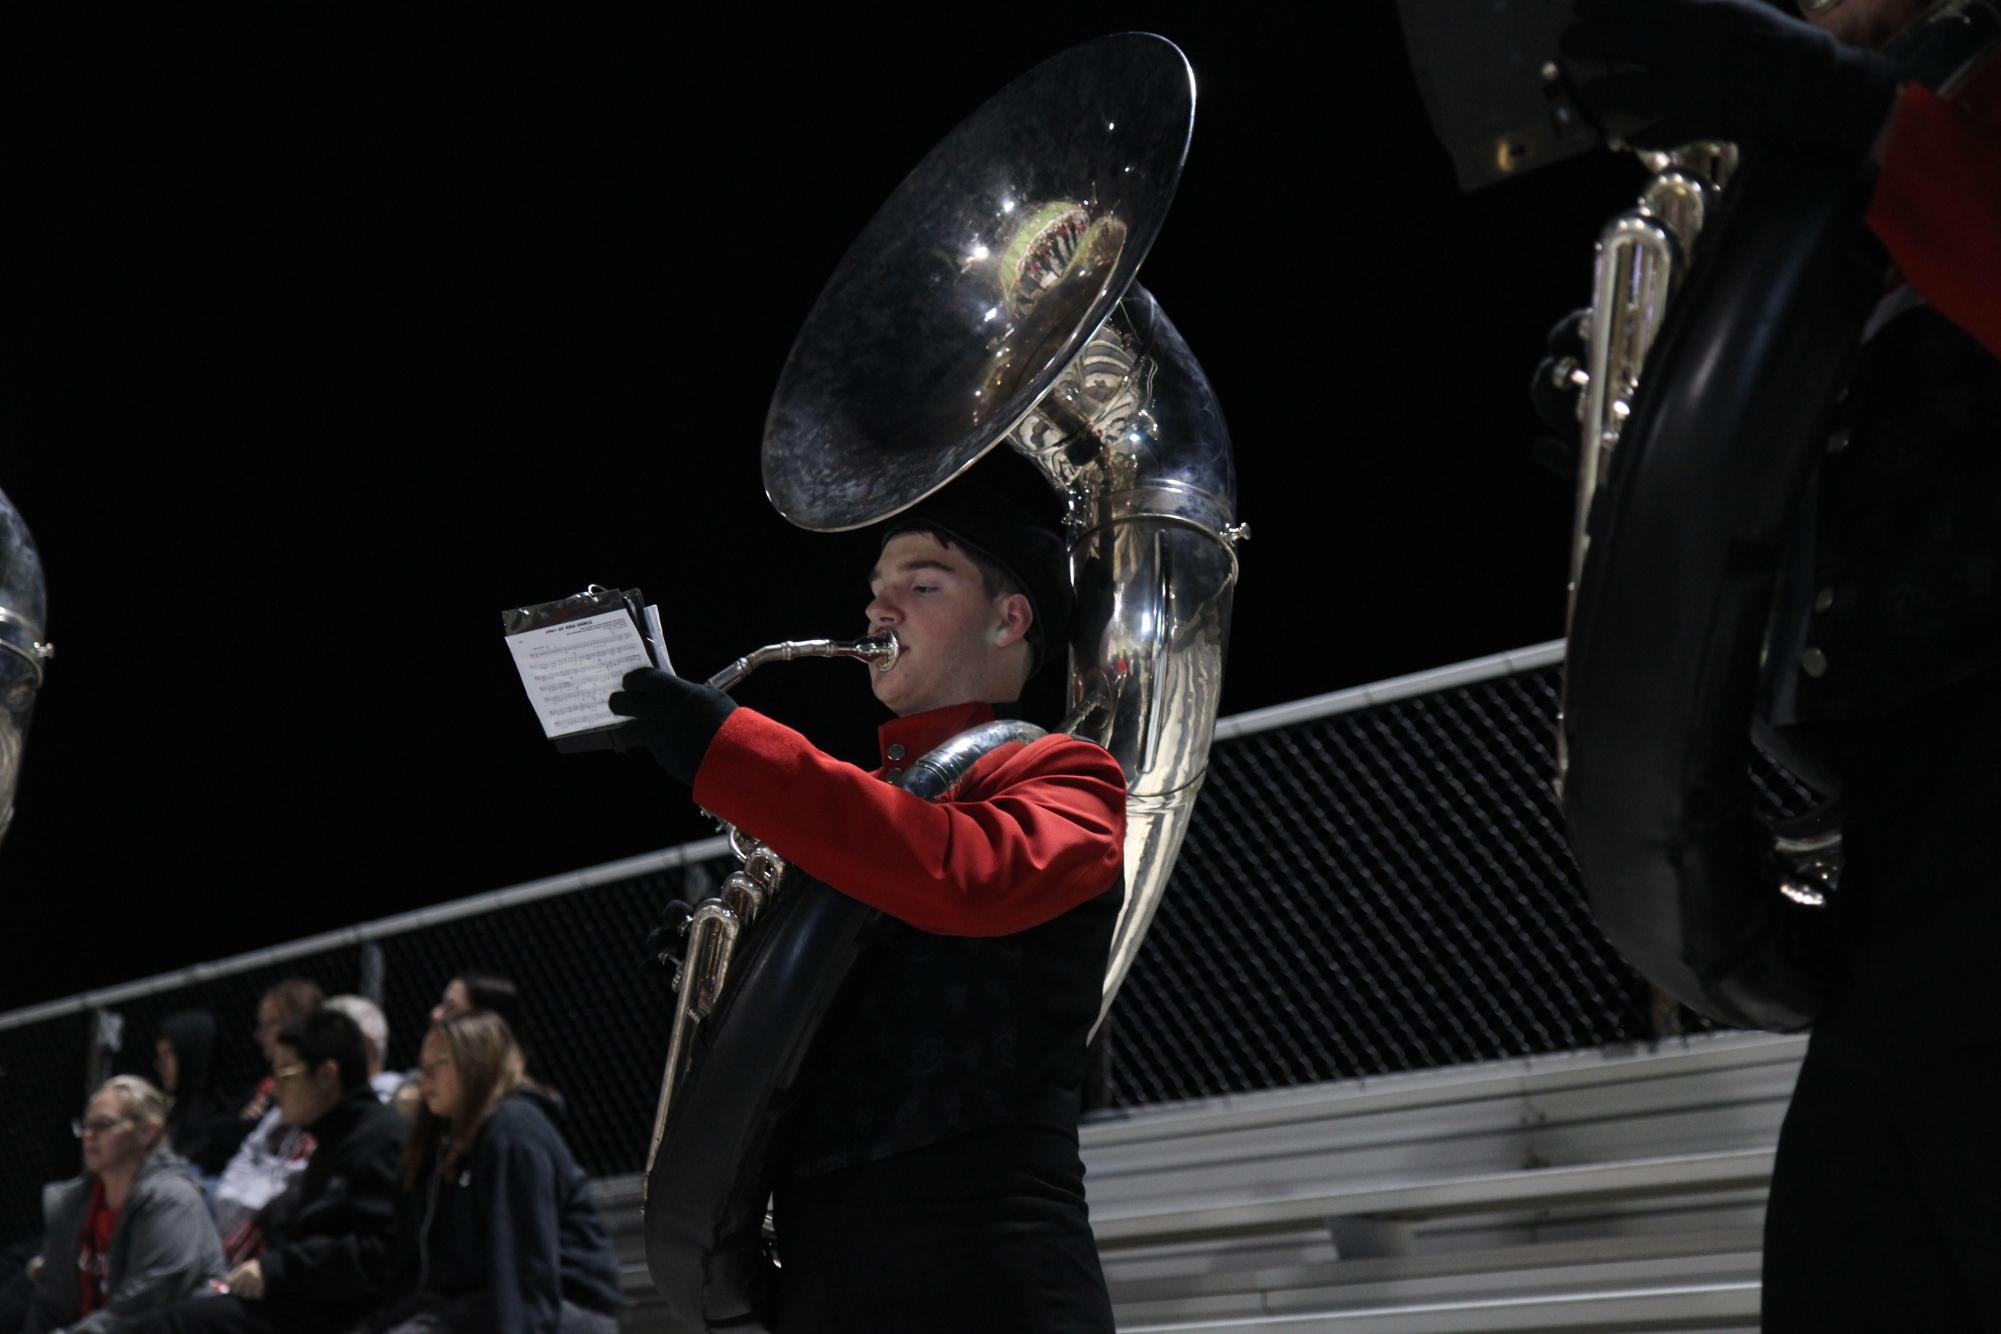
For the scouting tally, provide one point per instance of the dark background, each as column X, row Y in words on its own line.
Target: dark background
column 325, row 341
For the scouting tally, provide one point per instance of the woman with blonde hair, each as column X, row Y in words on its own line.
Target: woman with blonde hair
column 132, row 1234
column 501, row 1235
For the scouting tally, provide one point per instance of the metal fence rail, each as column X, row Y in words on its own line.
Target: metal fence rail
column 1374, row 881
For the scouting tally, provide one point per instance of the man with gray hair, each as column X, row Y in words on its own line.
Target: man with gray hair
column 368, row 1017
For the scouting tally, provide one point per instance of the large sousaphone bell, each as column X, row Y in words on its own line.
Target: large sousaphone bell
column 991, row 299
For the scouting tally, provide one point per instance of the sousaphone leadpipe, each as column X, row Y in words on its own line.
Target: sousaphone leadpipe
column 711, row 928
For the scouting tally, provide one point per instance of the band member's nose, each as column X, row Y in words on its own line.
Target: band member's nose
column 882, row 614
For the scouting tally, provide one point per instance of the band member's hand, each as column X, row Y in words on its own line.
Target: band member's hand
column 1724, row 69
column 675, row 719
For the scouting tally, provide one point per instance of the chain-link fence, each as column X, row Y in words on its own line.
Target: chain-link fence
column 1373, row 881
column 595, row 1026
column 1379, row 881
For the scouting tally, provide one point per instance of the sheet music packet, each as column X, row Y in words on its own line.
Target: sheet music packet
column 573, row 652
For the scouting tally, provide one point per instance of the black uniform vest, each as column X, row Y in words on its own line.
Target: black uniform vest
column 1905, row 597
column 938, row 1035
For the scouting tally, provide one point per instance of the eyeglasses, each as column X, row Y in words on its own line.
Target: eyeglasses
column 285, row 1072
column 99, row 1126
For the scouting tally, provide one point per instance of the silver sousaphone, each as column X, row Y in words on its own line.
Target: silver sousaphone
column 991, row 299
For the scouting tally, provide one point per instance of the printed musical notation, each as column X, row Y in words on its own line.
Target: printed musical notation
column 570, row 669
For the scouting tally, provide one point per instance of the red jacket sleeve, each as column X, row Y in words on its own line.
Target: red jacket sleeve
column 1037, row 830
column 1937, row 207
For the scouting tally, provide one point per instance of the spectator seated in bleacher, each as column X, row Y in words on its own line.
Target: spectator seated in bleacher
column 323, row 1245
column 268, row 1154
column 132, row 1234
column 498, row 1232
column 368, row 1017
column 476, row 990
column 200, row 1120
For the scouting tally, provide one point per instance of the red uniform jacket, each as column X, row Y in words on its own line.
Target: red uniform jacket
column 1937, row 204
column 1031, row 833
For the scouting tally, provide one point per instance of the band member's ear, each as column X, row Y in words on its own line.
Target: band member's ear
column 1015, row 616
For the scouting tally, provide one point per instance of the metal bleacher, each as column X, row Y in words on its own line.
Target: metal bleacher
column 1618, row 1190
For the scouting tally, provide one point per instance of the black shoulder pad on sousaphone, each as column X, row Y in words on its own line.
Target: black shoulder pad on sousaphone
column 961, row 303
column 1686, row 534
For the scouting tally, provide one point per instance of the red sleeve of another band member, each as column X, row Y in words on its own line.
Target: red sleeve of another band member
column 1937, row 207
column 1041, row 828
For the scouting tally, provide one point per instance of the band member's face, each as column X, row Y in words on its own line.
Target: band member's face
column 945, row 621
column 167, row 1064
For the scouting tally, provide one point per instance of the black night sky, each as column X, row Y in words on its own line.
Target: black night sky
column 326, row 340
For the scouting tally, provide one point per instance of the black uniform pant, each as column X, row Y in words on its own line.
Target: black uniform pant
column 1886, row 1197
column 985, row 1233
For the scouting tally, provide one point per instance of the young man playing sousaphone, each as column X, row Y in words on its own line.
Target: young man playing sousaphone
column 931, row 1179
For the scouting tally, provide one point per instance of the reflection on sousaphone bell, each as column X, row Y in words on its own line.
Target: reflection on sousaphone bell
column 971, row 289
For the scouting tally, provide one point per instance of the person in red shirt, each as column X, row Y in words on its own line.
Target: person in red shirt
column 132, row 1234
column 930, row 1179
column 1885, row 1209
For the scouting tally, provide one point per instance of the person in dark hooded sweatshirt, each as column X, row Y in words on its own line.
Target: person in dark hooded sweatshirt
column 324, row 1241
column 497, row 1230
column 202, row 1126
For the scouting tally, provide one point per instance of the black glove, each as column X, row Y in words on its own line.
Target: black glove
column 1724, row 69
column 676, row 719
